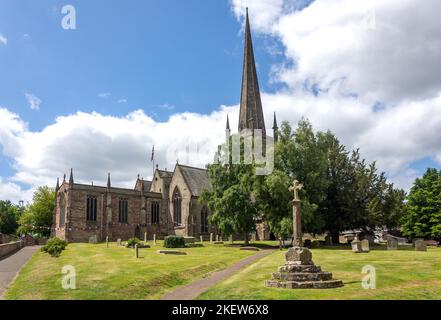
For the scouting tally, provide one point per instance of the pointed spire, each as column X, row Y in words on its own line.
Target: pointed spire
column 275, row 126
column 57, row 187
column 228, row 123
column 71, row 179
column 64, row 178
column 275, row 129
column 108, row 181
column 251, row 113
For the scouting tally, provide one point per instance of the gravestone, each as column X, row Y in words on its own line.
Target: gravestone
column 136, row 251
column 154, row 239
column 118, row 242
column 202, row 239
column 93, row 239
column 189, row 240
column 211, row 238
column 356, row 246
column 392, row 243
column 365, row 245
column 420, row 245
column 253, row 237
column 299, row 271
column 328, row 240
column 107, row 241
column 173, row 252
column 145, row 236
column 231, row 239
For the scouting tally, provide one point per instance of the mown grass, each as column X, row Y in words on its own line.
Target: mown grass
column 403, row 274
column 114, row 273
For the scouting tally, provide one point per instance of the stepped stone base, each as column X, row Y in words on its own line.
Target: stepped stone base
column 299, row 272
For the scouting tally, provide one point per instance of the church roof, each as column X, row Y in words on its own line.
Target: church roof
column 251, row 113
column 196, row 178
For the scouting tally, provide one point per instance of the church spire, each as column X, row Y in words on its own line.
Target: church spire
column 228, row 123
column 251, row 114
column 109, row 184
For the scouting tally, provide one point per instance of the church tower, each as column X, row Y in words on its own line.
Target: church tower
column 251, row 113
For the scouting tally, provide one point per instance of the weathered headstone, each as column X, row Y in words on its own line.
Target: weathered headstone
column 107, row 241
column 174, row 252
column 356, row 246
column 211, row 237
column 145, row 236
column 365, row 245
column 154, row 239
column 392, row 243
column 118, row 242
column 217, row 238
column 202, row 239
column 328, row 240
column 420, row 245
column 253, row 237
column 231, row 239
column 136, row 251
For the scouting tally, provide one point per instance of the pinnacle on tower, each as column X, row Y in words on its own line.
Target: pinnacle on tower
column 275, row 129
column 71, row 179
column 251, row 114
column 108, row 181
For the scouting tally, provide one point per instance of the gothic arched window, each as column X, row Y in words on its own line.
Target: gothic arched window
column 204, row 220
column 177, row 207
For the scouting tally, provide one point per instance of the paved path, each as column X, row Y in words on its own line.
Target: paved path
column 10, row 266
column 194, row 289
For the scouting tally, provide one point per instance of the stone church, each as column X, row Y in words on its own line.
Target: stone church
column 167, row 205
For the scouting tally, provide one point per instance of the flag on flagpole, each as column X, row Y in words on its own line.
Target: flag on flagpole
column 153, row 154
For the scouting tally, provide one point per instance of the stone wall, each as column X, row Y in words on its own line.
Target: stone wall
column 9, row 248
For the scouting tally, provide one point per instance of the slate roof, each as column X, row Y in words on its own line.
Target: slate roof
column 196, row 179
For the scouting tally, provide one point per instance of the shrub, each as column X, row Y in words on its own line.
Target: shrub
column 174, row 242
column 131, row 242
column 54, row 247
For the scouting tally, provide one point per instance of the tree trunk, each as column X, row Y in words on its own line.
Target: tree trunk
column 335, row 236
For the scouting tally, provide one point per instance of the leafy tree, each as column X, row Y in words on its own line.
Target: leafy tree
column 423, row 216
column 9, row 215
column 37, row 218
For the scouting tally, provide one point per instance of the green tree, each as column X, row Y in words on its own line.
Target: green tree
column 423, row 216
column 37, row 218
column 9, row 215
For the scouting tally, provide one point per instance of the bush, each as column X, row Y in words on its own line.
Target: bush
column 131, row 242
column 54, row 247
column 174, row 242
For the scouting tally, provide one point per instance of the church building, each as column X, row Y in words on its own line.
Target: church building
column 167, row 205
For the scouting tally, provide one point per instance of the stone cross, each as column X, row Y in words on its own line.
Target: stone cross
column 154, row 239
column 297, row 216
column 296, row 187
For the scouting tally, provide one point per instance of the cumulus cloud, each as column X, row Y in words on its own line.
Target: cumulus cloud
column 104, row 95
column 94, row 144
column 368, row 70
column 3, row 39
column 33, row 101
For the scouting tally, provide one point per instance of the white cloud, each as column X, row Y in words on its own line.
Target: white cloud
column 33, row 101
column 94, row 144
column 122, row 101
column 3, row 39
column 354, row 54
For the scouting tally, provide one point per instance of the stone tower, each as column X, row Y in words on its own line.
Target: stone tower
column 251, row 114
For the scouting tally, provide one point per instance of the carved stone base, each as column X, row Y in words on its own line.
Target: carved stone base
column 299, row 272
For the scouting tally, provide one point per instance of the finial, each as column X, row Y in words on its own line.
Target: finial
column 108, row 181
column 157, row 166
column 228, row 123
column 275, row 121
column 71, row 179
column 57, row 187
column 64, row 178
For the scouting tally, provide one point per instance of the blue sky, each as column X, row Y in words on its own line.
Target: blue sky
column 136, row 73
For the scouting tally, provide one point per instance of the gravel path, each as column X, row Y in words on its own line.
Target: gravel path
column 10, row 266
column 194, row 289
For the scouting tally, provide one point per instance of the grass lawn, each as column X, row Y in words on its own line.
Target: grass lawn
column 403, row 274
column 114, row 273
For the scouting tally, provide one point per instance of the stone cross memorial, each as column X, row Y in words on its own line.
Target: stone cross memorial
column 299, row 271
